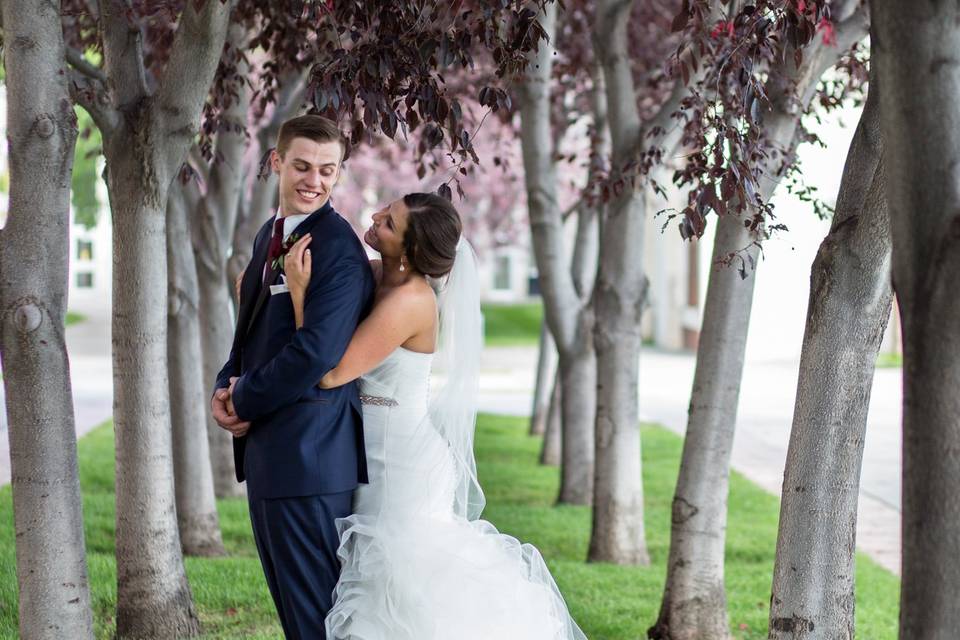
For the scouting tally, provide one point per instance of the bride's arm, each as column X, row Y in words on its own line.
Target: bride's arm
column 394, row 320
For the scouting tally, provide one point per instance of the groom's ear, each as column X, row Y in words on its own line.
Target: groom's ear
column 275, row 161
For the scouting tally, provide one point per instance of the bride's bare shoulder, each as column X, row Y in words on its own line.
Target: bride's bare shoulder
column 413, row 294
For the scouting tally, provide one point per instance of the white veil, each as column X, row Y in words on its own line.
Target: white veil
column 429, row 464
column 453, row 409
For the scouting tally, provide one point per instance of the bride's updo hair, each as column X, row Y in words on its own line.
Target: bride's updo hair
column 433, row 231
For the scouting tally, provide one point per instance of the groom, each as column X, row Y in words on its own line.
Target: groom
column 299, row 447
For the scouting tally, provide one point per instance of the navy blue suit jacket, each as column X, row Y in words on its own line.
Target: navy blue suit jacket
column 303, row 440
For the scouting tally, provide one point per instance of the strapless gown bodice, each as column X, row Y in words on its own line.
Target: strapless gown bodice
column 404, row 377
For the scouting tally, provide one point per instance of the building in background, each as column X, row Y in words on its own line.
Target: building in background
column 91, row 260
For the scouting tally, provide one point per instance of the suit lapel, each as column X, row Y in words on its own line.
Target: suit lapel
column 252, row 286
column 263, row 294
column 302, row 229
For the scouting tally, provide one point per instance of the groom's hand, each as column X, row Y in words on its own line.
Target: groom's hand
column 220, row 407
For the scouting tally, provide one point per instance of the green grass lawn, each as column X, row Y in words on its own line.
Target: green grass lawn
column 889, row 360
column 609, row 602
column 512, row 324
column 73, row 317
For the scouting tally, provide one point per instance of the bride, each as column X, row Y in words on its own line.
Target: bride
column 417, row 561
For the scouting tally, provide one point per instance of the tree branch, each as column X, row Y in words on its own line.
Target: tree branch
column 199, row 164
column 93, row 6
column 853, row 29
column 572, row 209
column 93, row 97
column 291, row 97
column 195, row 53
column 122, row 55
column 610, row 43
column 661, row 120
column 820, row 57
column 81, row 64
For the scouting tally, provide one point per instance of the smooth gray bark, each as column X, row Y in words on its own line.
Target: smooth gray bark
column 694, row 601
column 551, row 453
column 850, row 298
column 217, row 322
column 146, row 137
column 618, row 300
column 546, row 374
column 54, row 594
column 197, row 519
column 213, row 222
column 919, row 83
column 577, row 379
column 567, row 312
column 263, row 204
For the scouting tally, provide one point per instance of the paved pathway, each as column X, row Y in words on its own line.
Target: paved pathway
column 760, row 446
column 763, row 427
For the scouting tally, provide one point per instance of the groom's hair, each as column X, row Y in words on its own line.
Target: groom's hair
column 312, row 127
column 433, row 230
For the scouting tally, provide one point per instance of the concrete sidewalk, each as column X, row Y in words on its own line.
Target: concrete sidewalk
column 764, row 419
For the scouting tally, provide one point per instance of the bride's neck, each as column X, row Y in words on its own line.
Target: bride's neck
column 391, row 275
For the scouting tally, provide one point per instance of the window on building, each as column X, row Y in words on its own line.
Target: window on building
column 84, row 249
column 85, row 280
column 501, row 273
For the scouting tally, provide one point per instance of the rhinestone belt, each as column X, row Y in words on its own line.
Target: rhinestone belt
column 378, row 401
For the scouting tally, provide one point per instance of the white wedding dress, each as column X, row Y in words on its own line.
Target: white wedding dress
column 414, row 567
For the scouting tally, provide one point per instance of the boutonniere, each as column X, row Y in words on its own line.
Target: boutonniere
column 277, row 262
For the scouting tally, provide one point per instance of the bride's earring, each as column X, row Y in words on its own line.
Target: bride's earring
column 402, row 268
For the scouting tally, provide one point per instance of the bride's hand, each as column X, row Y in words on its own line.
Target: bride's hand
column 238, row 282
column 329, row 380
column 296, row 266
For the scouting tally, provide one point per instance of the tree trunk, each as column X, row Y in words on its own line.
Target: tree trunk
column 546, row 373
column 197, row 519
column 850, row 297
column 144, row 151
column 213, row 225
column 618, row 299
column 566, row 312
column 694, row 600
column 216, row 338
column 262, row 205
column 551, row 453
column 54, row 596
column 578, row 378
column 153, row 597
column 919, row 85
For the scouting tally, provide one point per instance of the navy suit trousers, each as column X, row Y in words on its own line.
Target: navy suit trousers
column 297, row 541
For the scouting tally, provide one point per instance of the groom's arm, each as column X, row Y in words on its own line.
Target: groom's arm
column 334, row 302
column 232, row 366
column 230, row 369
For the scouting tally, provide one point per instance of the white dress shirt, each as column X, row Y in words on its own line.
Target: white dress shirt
column 290, row 223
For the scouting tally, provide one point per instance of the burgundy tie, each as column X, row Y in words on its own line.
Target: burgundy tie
column 276, row 245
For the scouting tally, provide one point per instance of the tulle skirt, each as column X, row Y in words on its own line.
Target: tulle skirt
column 412, row 569
column 445, row 579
